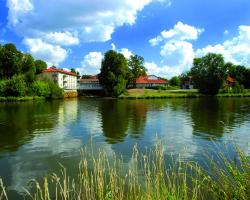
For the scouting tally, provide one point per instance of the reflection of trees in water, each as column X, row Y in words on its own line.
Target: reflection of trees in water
column 211, row 117
column 122, row 117
column 18, row 122
column 115, row 120
column 138, row 113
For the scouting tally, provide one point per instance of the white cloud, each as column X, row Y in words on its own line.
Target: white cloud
column 127, row 53
column 226, row 32
column 52, row 54
column 163, row 71
column 235, row 50
column 91, row 63
column 180, row 32
column 61, row 38
column 176, row 49
column 93, row 20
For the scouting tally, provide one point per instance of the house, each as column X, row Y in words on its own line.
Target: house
column 150, row 81
column 230, row 81
column 188, row 83
column 65, row 79
column 91, row 83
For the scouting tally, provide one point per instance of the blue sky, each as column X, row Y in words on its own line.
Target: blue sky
column 167, row 33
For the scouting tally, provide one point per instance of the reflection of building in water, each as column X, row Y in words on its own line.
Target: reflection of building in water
column 67, row 112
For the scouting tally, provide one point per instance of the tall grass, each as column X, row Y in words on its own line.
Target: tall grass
column 148, row 176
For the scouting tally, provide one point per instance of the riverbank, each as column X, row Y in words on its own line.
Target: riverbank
column 26, row 98
column 160, row 94
column 148, row 177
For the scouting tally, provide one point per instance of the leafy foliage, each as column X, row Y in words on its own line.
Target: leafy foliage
column 175, row 81
column 15, row 86
column 113, row 74
column 40, row 66
column 18, row 73
column 208, row 73
column 136, row 68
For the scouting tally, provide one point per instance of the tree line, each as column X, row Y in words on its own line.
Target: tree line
column 209, row 74
column 18, row 75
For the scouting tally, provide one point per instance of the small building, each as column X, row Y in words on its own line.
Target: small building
column 230, row 81
column 65, row 79
column 150, row 81
column 91, row 83
column 188, row 83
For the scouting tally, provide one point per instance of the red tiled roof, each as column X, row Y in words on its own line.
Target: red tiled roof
column 145, row 80
column 230, row 79
column 51, row 70
column 90, row 79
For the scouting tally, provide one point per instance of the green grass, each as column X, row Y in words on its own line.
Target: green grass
column 26, row 98
column 148, row 176
column 161, row 94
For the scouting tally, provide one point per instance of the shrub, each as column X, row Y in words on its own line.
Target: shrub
column 55, row 91
column 15, row 86
column 41, row 88
column 2, row 87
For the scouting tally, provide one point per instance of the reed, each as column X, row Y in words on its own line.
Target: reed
column 148, row 176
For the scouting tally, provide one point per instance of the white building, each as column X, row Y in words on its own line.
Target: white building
column 65, row 79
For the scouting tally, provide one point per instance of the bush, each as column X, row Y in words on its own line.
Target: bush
column 55, row 91
column 41, row 88
column 2, row 87
column 15, row 86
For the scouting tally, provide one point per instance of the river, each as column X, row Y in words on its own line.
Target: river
column 36, row 136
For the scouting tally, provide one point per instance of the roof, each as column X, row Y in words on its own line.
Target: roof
column 52, row 70
column 150, row 79
column 93, row 79
column 230, row 79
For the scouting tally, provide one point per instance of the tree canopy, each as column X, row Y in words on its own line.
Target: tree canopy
column 136, row 67
column 114, row 71
column 208, row 73
column 18, row 72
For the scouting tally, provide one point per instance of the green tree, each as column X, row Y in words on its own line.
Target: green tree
column 175, row 81
column 113, row 74
column 208, row 73
column 137, row 69
column 10, row 61
column 28, row 68
column 40, row 66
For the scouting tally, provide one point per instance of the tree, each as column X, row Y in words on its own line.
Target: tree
column 208, row 73
column 114, row 70
column 137, row 69
column 28, row 68
column 10, row 61
column 175, row 81
column 73, row 70
column 40, row 66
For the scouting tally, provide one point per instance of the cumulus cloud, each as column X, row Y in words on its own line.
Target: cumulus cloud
column 176, row 48
column 126, row 52
column 61, row 38
column 163, row 71
column 91, row 63
column 52, row 54
column 94, row 21
column 235, row 50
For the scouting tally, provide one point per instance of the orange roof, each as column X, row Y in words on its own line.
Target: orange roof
column 230, row 79
column 90, row 79
column 145, row 80
column 52, row 70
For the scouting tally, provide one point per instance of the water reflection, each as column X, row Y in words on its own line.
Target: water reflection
column 35, row 136
column 20, row 122
column 212, row 117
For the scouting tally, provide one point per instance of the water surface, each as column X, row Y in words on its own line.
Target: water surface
column 36, row 136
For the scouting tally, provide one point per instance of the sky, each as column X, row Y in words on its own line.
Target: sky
column 169, row 34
